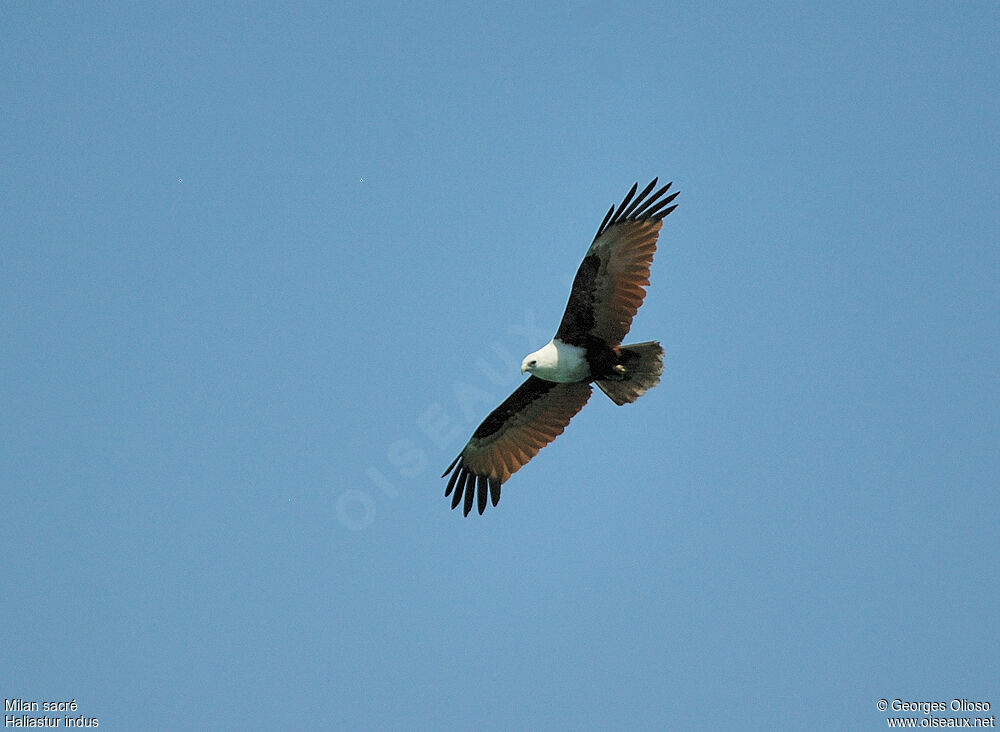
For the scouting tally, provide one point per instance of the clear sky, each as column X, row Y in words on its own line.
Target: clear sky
column 264, row 267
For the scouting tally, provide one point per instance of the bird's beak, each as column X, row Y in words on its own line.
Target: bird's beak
column 523, row 368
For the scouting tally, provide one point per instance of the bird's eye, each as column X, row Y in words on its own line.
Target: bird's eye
column 533, row 364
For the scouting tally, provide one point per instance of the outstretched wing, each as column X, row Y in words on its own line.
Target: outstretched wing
column 610, row 285
column 528, row 420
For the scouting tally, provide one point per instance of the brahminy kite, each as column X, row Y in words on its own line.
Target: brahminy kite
column 607, row 291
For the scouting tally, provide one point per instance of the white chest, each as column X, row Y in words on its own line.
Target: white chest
column 561, row 362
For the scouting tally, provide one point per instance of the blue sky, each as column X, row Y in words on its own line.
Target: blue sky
column 264, row 267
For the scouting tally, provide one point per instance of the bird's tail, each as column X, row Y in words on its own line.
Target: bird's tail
column 641, row 366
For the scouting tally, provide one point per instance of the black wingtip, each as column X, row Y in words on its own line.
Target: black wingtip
column 469, row 489
column 635, row 204
column 607, row 218
column 648, row 210
column 643, row 207
column 481, row 491
column 451, row 483
column 470, row 493
column 452, row 466
column 625, row 201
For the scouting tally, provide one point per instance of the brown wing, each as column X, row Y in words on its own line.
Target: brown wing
column 610, row 285
column 528, row 420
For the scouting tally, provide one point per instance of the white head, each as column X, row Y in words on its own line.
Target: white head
column 545, row 360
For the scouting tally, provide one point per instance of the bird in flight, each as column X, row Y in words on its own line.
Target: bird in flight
column 587, row 348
